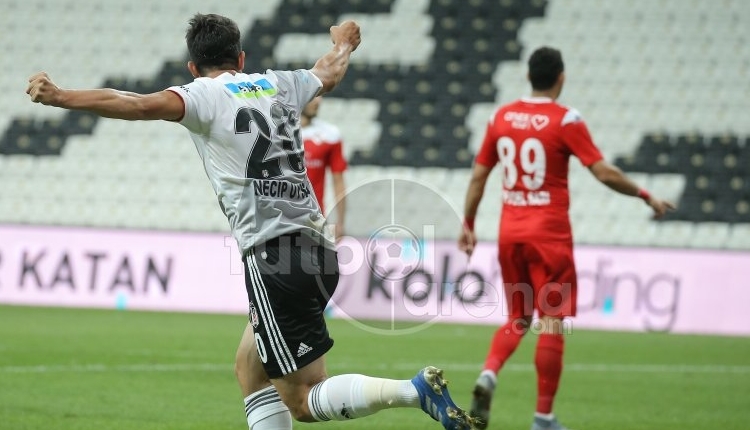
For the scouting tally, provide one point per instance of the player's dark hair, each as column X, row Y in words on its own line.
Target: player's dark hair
column 545, row 66
column 213, row 42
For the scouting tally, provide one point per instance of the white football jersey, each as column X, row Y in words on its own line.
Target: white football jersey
column 246, row 130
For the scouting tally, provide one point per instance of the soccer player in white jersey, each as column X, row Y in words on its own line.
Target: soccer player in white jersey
column 246, row 130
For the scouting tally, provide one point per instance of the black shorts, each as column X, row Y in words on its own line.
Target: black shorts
column 289, row 281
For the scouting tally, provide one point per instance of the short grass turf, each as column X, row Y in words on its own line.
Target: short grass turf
column 74, row 369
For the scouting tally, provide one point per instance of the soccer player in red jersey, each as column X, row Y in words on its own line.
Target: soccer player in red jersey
column 323, row 151
column 532, row 139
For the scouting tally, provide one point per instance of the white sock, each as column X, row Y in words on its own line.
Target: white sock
column 487, row 379
column 344, row 397
column 265, row 411
column 547, row 417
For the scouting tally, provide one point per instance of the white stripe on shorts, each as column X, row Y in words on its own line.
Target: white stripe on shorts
column 278, row 344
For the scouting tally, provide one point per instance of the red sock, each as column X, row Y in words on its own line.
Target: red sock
column 504, row 342
column 548, row 360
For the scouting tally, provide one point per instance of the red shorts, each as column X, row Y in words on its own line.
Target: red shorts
column 539, row 276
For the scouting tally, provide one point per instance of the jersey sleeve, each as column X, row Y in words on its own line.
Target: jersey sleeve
column 198, row 105
column 577, row 138
column 337, row 162
column 488, row 155
column 297, row 87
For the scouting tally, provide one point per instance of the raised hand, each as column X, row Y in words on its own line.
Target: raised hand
column 42, row 90
column 347, row 33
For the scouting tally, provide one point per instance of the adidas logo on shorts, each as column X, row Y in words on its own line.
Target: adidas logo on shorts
column 303, row 349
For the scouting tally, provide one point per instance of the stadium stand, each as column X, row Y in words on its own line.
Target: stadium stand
column 716, row 171
column 662, row 85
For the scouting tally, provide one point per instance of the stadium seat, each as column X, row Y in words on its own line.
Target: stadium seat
column 668, row 105
column 710, row 235
column 739, row 236
column 675, row 234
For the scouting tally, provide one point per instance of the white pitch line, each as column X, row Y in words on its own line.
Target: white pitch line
column 573, row 367
column 85, row 368
column 450, row 367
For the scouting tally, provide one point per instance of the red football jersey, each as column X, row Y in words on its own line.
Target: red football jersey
column 533, row 139
column 322, row 151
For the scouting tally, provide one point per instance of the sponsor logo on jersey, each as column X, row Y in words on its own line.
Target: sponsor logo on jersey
column 315, row 163
column 251, row 90
column 525, row 121
column 539, row 121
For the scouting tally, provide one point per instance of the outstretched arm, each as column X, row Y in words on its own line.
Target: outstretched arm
column 331, row 67
column 615, row 179
column 467, row 240
column 107, row 102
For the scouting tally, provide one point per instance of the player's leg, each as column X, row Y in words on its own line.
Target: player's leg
column 294, row 339
column 556, row 299
column 247, row 366
column 313, row 397
column 264, row 409
column 548, row 360
column 519, row 295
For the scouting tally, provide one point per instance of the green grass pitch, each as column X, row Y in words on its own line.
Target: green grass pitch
column 72, row 369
